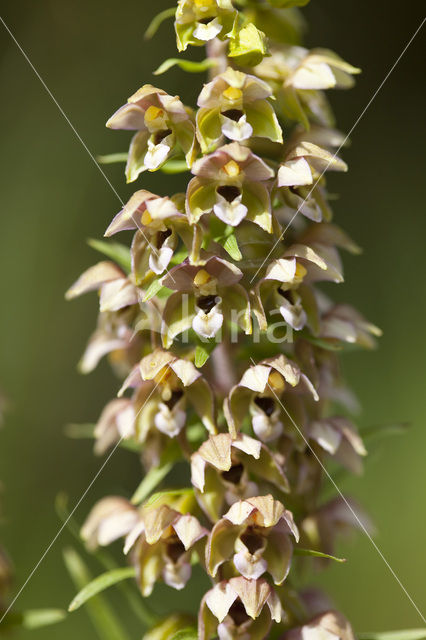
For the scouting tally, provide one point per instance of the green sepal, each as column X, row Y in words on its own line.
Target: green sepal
column 230, row 245
column 114, row 250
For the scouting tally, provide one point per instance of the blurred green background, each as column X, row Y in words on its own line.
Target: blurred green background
column 92, row 55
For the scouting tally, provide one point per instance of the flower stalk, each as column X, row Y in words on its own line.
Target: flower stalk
column 219, row 321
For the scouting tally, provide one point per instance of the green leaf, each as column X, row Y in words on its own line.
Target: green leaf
column 103, row 618
column 316, row 554
column 37, row 618
column 248, row 46
column 158, row 20
column 112, row 158
column 186, row 634
column 395, row 428
column 187, row 65
column 231, row 247
column 403, row 634
column 99, row 584
column 114, row 250
column 153, row 289
column 151, row 480
column 286, row 4
column 172, row 167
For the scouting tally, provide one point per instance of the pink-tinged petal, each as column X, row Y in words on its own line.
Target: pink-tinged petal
column 295, row 173
column 118, row 294
column 240, row 512
column 249, row 566
column 268, row 511
column 134, row 534
column 185, row 371
column 220, row 599
column 152, row 364
column 275, row 607
column 198, row 467
column 133, row 380
column 252, row 593
column 282, row 270
column 256, row 378
column 189, row 530
column 288, row 369
column 146, row 95
column 157, row 521
column 130, row 215
column 94, row 278
column 99, row 346
column 110, row 519
column 217, row 451
column 130, row 117
column 248, row 445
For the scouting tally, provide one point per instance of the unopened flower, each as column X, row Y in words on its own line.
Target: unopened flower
column 162, row 544
column 161, row 121
column 305, row 163
column 115, row 336
column 231, row 182
column 339, row 516
column 255, row 534
column 237, row 609
column 110, row 519
column 258, row 392
column 115, row 422
column 205, row 293
column 235, row 105
column 338, row 437
column 330, row 625
column 222, row 467
column 343, row 322
column 199, row 21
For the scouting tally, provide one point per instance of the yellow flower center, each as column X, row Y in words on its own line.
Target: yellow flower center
column 153, row 113
column 300, row 271
column 146, row 217
column 232, row 169
column 276, row 381
column 205, row 4
column 233, row 94
column 201, row 278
